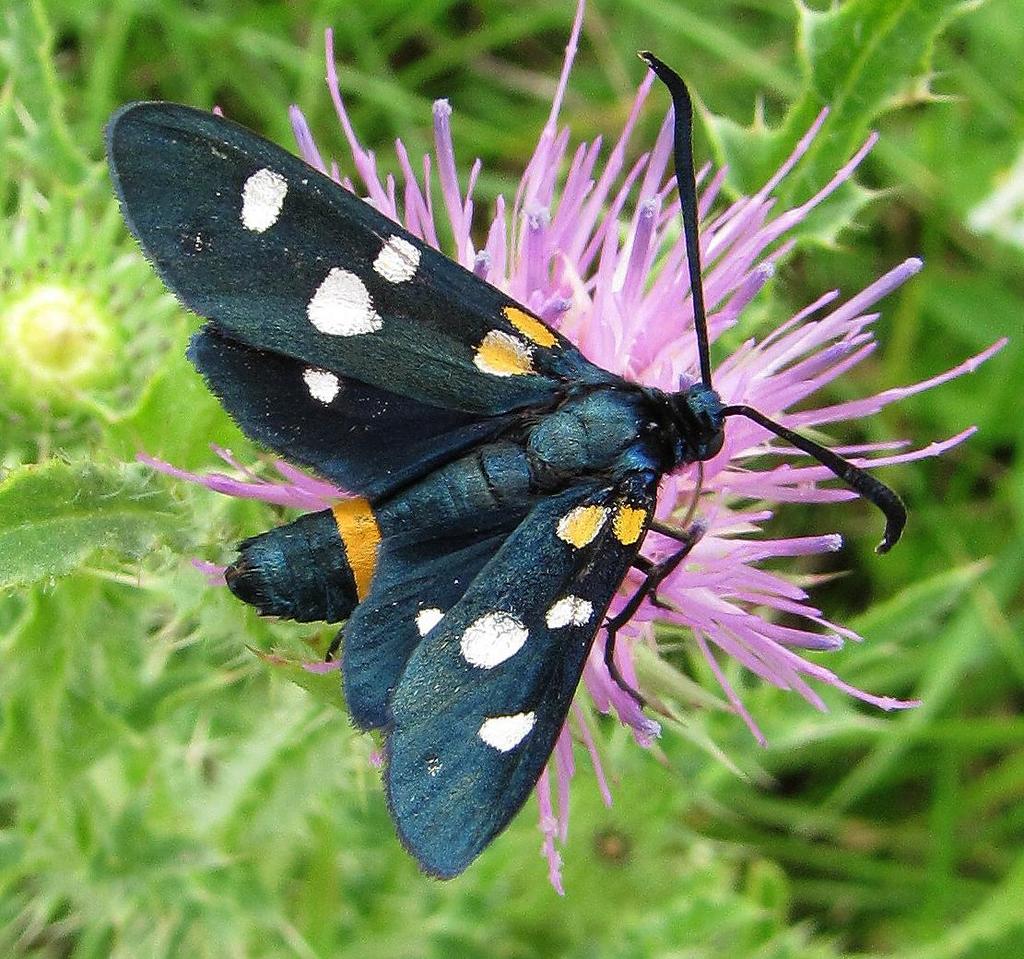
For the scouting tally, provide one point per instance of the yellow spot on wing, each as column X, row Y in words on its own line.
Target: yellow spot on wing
column 502, row 354
column 628, row 524
column 530, row 327
column 360, row 533
column 581, row 525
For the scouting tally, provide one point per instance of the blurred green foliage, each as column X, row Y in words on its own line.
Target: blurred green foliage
column 163, row 791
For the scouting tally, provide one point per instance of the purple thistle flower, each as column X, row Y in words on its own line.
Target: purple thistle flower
column 595, row 252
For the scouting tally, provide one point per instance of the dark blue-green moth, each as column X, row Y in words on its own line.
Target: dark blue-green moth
column 504, row 484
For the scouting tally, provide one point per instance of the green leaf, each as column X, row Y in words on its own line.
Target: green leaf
column 861, row 60
column 918, row 608
column 27, row 51
column 176, row 418
column 54, row 517
column 324, row 685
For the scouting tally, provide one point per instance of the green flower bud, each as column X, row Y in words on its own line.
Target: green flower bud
column 56, row 336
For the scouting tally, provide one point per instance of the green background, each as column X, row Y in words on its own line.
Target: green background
column 166, row 791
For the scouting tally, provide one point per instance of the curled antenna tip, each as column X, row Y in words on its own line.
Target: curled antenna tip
column 895, row 514
column 860, row 481
column 893, row 531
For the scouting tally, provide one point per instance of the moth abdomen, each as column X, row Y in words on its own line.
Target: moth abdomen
column 299, row 571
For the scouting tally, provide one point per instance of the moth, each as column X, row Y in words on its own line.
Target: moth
column 503, row 484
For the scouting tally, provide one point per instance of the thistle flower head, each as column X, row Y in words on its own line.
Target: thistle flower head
column 81, row 325
column 57, row 334
column 591, row 243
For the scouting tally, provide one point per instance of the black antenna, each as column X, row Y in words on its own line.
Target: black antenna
column 686, row 183
column 860, row 481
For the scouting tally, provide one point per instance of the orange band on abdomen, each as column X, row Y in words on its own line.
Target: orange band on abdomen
column 360, row 533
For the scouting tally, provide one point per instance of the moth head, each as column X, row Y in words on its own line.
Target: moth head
column 700, row 419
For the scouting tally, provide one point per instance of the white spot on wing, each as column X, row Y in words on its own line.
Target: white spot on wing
column 427, row 619
column 323, row 385
column 569, row 611
column 397, row 261
column 262, row 199
column 506, row 732
column 342, row 306
column 492, row 639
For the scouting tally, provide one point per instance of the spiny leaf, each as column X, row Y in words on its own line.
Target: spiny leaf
column 860, row 59
column 54, row 517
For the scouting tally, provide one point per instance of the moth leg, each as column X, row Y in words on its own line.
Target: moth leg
column 672, row 532
column 688, row 538
column 684, row 532
column 642, row 563
column 655, row 574
column 334, row 647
